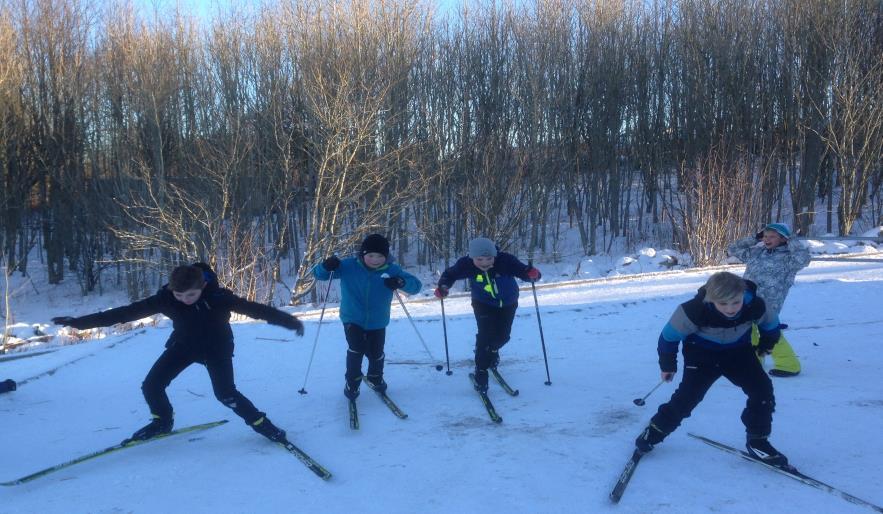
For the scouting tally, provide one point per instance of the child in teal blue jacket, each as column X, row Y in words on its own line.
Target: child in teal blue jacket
column 367, row 283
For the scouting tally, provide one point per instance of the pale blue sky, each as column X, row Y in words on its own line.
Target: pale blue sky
column 205, row 8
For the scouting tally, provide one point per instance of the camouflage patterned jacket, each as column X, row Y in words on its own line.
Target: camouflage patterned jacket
column 772, row 270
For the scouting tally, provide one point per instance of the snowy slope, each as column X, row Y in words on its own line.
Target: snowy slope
column 559, row 449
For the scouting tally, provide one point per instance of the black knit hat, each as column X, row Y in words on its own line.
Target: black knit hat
column 375, row 243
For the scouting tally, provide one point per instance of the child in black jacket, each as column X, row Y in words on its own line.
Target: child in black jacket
column 200, row 312
column 494, row 298
column 715, row 327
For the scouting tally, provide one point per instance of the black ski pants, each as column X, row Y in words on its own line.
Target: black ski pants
column 220, row 370
column 363, row 343
column 494, row 330
column 702, row 367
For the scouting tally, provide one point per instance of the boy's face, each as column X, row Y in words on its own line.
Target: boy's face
column 772, row 239
column 374, row 260
column 189, row 296
column 483, row 263
column 729, row 308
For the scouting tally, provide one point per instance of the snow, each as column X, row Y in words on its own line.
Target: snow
column 560, row 448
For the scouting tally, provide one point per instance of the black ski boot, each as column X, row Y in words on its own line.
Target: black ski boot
column 158, row 426
column 266, row 428
column 351, row 389
column 761, row 449
column 495, row 359
column 376, row 382
column 650, row 437
column 481, row 380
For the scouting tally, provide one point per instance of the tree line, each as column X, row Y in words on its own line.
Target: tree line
column 263, row 140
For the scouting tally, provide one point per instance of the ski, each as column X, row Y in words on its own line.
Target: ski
column 506, row 387
column 112, row 449
column 388, row 402
column 308, row 461
column 789, row 471
column 492, row 412
column 625, row 476
column 354, row 415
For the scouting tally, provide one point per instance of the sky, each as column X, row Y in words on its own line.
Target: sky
column 560, row 448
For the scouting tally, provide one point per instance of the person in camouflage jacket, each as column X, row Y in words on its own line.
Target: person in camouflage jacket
column 771, row 261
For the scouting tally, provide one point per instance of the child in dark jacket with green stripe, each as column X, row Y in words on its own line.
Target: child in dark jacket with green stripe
column 715, row 327
column 200, row 312
column 491, row 274
column 367, row 284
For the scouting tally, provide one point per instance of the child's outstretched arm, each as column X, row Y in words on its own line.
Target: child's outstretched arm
column 676, row 330
column 140, row 309
column 403, row 280
column 271, row 315
column 323, row 270
column 461, row 269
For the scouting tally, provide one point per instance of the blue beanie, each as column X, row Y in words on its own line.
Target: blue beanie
column 482, row 247
column 783, row 229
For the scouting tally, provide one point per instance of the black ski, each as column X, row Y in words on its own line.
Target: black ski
column 625, row 476
column 492, row 412
column 503, row 384
column 314, row 466
column 789, row 471
column 388, row 401
column 112, row 449
column 354, row 415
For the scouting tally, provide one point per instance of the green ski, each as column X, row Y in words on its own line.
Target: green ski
column 107, row 451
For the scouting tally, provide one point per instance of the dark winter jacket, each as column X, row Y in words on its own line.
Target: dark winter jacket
column 698, row 322
column 365, row 300
column 495, row 286
column 204, row 327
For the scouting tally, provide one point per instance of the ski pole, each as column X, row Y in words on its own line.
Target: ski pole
column 445, row 332
column 640, row 401
column 438, row 367
column 303, row 390
column 536, row 303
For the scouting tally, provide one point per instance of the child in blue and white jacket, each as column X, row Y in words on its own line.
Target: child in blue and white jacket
column 367, row 284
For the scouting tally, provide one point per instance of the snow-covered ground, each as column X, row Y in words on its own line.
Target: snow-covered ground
column 560, row 448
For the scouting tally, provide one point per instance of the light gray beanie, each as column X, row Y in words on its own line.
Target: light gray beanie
column 482, row 247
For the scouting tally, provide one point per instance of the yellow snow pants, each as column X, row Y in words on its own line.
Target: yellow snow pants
column 783, row 355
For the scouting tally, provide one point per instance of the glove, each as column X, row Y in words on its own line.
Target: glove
column 7, row 385
column 668, row 362
column 331, row 263
column 292, row 323
column 441, row 292
column 759, row 236
column 766, row 344
column 394, row 282
column 533, row 274
column 69, row 321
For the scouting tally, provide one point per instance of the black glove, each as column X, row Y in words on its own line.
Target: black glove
column 69, row 321
column 394, row 282
column 7, row 385
column 766, row 344
column 759, row 235
column 668, row 362
column 292, row 323
column 331, row 263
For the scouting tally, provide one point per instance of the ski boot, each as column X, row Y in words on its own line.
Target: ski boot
column 650, row 437
column 158, row 426
column 761, row 449
column 266, row 428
